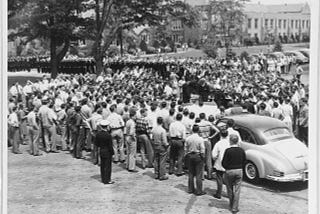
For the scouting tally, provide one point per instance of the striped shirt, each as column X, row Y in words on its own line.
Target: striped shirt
column 142, row 126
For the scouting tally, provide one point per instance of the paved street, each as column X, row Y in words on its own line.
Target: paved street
column 58, row 183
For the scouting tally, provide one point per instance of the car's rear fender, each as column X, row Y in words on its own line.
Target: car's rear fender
column 256, row 158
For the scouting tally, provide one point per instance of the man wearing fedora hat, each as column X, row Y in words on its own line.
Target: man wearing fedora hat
column 103, row 140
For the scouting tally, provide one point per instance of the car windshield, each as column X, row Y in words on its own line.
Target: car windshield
column 277, row 134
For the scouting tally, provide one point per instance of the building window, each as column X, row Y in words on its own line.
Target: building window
column 271, row 23
column 297, row 24
column 284, row 24
column 279, row 23
column 255, row 23
column 292, row 21
column 307, row 23
column 249, row 23
column 266, row 23
column 303, row 24
column 249, row 35
column 176, row 25
column 255, row 35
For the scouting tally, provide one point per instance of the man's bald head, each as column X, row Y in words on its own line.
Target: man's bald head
column 234, row 139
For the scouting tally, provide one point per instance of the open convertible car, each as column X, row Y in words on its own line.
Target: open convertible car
column 272, row 150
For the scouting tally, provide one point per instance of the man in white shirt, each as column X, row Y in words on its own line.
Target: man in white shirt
column 14, row 135
column 163, row 111
column 177, row 133
column 152, row 115
column 33, row 131
column 85, row 135
column 195, row 149
column 94, row 121
column 231, row 130
column 276, row 112
column 217, row 155
column 47, row 117
column 117, row 125
column 287, row 112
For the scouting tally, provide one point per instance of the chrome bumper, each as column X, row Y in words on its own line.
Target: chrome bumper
column 303, row 176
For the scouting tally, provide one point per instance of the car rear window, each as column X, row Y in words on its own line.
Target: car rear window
column 277, row 134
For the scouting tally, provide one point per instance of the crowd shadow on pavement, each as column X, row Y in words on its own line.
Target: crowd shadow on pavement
column 96, row 177
column 190, row 203
column 182, row 187
column 220, row 204
column 150, row 174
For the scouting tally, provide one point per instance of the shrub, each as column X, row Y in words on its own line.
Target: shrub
column 113, row 51
column 132, row 46
column 244, row 55
column 277, row 47
column 168, row 49
column 210, row 50
column 143, row 46
column 151, row 50
column 163, row 43
column 132, row 51
column 156, row 44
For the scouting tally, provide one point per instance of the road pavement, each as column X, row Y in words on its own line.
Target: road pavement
column 57, row 183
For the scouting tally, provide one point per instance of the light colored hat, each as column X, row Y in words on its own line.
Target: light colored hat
column 104, row 123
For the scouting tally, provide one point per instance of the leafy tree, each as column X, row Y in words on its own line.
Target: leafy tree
column 163, row 43
column 156, row 44
column 227, row 19
column 113, row 51
column 111, row 17
column 178, row 10
column 56, row 20
column 244, row 55
column 277, row 47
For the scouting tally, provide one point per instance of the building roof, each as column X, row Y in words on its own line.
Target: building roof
column 279, row 8
column 139, row 29
column 197, row 2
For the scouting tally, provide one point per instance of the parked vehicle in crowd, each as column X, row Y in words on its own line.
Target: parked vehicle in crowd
column 300, row 58
column 305, row 52
column 275, row 55
column 271, row 149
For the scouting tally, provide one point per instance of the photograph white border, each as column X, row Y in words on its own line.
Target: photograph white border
column 314, row 106
column 4, row 105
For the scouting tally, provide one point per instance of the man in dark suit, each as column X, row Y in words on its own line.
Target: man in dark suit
column 104, row 142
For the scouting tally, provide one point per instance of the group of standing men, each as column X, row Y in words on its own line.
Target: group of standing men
column 122, row 113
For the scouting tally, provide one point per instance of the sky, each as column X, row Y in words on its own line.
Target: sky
column 280, row 1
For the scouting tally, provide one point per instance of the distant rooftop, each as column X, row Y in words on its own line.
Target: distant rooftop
column 279, row 8
column 263, row 8
column 197, row 2
column 139, row 29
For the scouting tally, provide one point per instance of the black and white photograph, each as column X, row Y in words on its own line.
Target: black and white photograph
column 160, row 106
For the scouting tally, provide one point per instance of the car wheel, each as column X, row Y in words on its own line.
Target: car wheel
column 251, row 172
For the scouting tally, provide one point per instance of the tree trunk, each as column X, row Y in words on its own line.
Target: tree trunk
column 121, row 42
column 99, row 64
column 54, row 59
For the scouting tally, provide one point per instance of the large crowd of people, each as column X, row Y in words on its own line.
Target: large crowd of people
column 141, row 110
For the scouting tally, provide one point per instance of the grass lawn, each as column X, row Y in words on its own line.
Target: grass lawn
column 238, row 50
